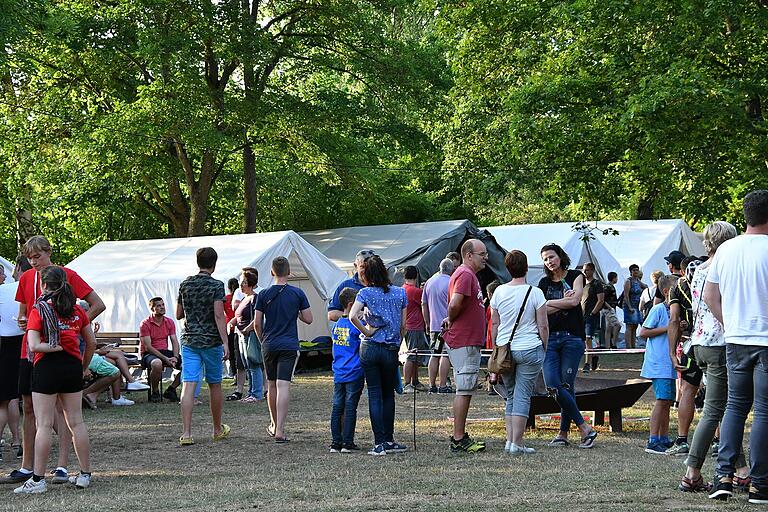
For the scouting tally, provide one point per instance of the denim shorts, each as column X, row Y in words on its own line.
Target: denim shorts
column 664, row 389
column 198, row 359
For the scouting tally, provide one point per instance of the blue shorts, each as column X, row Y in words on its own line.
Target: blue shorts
column 664, row 389
column 197, row 360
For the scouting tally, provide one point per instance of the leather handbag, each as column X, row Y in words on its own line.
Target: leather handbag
column 501, row 360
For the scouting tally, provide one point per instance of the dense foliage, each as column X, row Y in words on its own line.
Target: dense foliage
column 153, row 118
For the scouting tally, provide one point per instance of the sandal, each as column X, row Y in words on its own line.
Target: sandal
column 588, row 441
column 688, row 485
column 558, row 441
column 186, row 441
column 248, row 400
column 234, row 397
column 282, row 440
column 742, row 483
column 271, row 430
column 225, row 430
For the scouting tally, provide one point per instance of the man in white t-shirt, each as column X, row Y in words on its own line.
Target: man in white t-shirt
column 735, row 292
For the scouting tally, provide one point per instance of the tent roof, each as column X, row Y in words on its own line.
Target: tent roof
column 393, row 242
column 644, row 242
column 127, row 273
column 422, row 244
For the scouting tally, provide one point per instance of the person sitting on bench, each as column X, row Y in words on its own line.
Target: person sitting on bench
column 155, row 332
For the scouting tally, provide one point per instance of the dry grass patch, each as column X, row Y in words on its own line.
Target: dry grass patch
column 138, row 465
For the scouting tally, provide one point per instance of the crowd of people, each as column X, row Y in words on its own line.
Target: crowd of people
column 703, row 321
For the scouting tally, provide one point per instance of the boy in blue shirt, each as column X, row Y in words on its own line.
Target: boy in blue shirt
column 658, row 365
column 348, row 379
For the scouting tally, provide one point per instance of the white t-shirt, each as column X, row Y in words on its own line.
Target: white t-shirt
column 507, row 300
column 9, row 309
column 238, row 296
column 740, row 268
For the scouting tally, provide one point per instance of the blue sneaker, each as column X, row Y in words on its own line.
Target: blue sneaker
column 60, row 476
column 667, row 443
column 395, row 447
column 377, row 450
column 656, row 448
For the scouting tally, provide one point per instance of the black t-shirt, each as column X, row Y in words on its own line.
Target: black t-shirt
column 681, row 294
column 571, row 320
column 594, row 288
column 610, row 295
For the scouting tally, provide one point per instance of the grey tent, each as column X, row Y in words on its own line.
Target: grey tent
column 399, row 245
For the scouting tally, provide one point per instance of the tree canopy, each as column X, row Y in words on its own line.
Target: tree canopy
column 154, row 118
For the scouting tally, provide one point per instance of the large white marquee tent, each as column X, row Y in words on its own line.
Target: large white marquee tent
column 126, row 274
column 644, row 242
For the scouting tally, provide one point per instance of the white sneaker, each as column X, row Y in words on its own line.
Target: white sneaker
column 507, row 445
column 31, row 487
column 515, row 449
column 80, row 481
column 136, row 386
column 408, row 388
column 122, row 401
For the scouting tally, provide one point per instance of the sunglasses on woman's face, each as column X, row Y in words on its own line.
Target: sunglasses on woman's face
column 365, row 254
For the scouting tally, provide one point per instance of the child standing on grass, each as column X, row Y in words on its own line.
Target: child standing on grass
column 348, row 378
column 658, row 365
column 53, row 327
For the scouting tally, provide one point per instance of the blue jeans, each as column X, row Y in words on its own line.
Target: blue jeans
column 346, row 396
column 379, row 362
column 747, row 384
column 561, row 364
column 256, row 384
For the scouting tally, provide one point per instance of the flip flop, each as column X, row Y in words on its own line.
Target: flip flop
column 235, row 396
column 225, row 430
column 186, row 441
column 271, row 431
column 282, row 440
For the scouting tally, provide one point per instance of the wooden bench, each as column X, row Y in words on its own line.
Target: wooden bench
column 599, row 395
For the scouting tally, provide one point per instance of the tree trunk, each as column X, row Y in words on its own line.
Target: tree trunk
column 645, row 207
column 249, row 189
column 25, row 228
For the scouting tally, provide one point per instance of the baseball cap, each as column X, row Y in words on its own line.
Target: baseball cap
column 675, row 258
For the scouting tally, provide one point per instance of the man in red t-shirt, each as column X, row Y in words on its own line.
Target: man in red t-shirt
column 465, row 336
column 156, row 332
column 415, row 336
column 38, row 251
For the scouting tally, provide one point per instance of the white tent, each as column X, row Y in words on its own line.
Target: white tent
column 126, row 274
column 644, row 242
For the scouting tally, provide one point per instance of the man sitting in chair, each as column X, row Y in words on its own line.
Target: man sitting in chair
column 156, row 331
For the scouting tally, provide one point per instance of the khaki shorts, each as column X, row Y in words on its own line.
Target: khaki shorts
column 466, row 366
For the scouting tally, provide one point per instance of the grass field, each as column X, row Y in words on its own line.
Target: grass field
column 138, row 466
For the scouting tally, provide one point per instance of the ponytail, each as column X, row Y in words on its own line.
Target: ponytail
column 59, row 292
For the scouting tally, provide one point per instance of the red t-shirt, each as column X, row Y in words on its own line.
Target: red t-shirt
column 158, row 334
column 229, row 313
column 69, row 331
column 414, row 319
column 468, row 329
column 30, row 289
